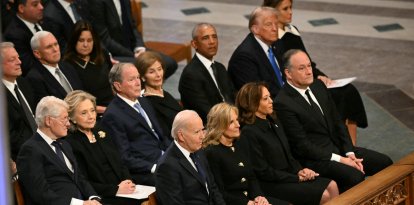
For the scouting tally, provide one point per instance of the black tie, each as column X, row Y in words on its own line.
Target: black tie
column 25, row 108
column 59, row 152
column 314, row 106
column 220, row 86
column 37, row 29
column 199, row 167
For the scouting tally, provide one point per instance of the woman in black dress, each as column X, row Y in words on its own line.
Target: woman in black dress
column 85, row 54
column 98, row 158
column 279, row 174
column 347, row 98
column 152, row 69
column 229, row 160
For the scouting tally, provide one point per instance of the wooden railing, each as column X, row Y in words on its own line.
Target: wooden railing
column 393, row 185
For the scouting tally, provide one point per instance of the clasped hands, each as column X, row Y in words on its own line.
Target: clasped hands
column 259, row 200
column 126, row 187
column 353, row 161
column 307, row 175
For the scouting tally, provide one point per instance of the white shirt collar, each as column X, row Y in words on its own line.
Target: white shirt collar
column 10, row 86
column 128, row 101
column 30, row 25
column 206, row 62
column 288, row 29
column 45, row 137
column 186, row 153
column 264, row 46
column 68, row 9
column 300, row 90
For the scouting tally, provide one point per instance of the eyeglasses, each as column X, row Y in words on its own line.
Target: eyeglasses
column 64, row 121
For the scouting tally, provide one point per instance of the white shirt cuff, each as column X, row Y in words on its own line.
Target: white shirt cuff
column 349, row 153
column 76, row 202
column 335, row 157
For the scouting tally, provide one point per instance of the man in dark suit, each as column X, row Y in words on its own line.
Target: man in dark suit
column 116, row 27
column 253, row 60
column 24, row 24
column 47, row 167
column 205, row 82
column 132, row 123
column 317, row 135
column 183, row 174
column 61, row 15
column 19, row 105
column 50, row 77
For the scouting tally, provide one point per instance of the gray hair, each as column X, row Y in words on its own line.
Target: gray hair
column 258, row 12
column 287, row 57
column 35, row 41
column 49, row 106
column 197, row 27
column 115, row 74
column 181, row 121
column 4, row 45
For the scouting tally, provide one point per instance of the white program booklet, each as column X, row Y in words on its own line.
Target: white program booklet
column 141, row 192
column 341, row 82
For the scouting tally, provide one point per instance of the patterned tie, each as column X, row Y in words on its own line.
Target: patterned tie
column 199, row 167
column 75, row 12
column 145, row 116
column 26, row 109
column 275, row 67
column 63, row 81
column 59, row 152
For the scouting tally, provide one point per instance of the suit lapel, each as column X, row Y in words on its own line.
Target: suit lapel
column 51, row 155
column 204, row 72
column 187, row 165
column 51, row 80
column 298, row 98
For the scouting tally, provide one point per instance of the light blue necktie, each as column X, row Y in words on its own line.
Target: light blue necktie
column 275, row 67
column 145, row 116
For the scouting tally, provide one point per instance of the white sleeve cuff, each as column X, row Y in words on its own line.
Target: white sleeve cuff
column 335, row 157
column 76, row 202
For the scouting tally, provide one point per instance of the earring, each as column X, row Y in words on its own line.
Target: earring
column 143, row 79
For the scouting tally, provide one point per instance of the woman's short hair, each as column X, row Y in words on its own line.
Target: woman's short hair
column 218, row 120
column 49, row 106
column 146, row 59
column 97, row 55
column 73, row 99
column 248, row 101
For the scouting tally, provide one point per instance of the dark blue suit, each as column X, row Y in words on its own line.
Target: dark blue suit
column 140, row 149
column 178, row 182
column 45, row 178
column 45, row 84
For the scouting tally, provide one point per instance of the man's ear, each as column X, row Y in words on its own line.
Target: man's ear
column 254, row 29
column 117, row 86
column 36, row 53
column 287, row 73
column 193, row 44
column 20, row 8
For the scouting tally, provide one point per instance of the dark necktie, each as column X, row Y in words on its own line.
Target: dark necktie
column 59, row 152
column 26, row 109
column 75, row 12
column 199, row 167
column 145, row 116
column 37, row 29
column 63, row 81
column 314, row 106
column 220, row 86
column 275, row 67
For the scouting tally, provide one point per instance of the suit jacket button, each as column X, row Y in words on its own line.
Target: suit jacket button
column 245, row 193
column 243, row 179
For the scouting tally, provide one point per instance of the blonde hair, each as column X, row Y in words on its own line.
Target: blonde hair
column 218, row 120
column 73, row 99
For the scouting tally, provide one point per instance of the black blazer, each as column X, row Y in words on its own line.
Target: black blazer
column 166, row 108
column 19, row 34
column 249, row 63
column 57, row 20
column 139, row 147
column 270, row 152
column 228, row 168
column 92, row 168
column 310, row 137
column 178, row 183
column 198, row 90
column 118, row 40
column 45, row 178
column 45, row 84
column 19, row 126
